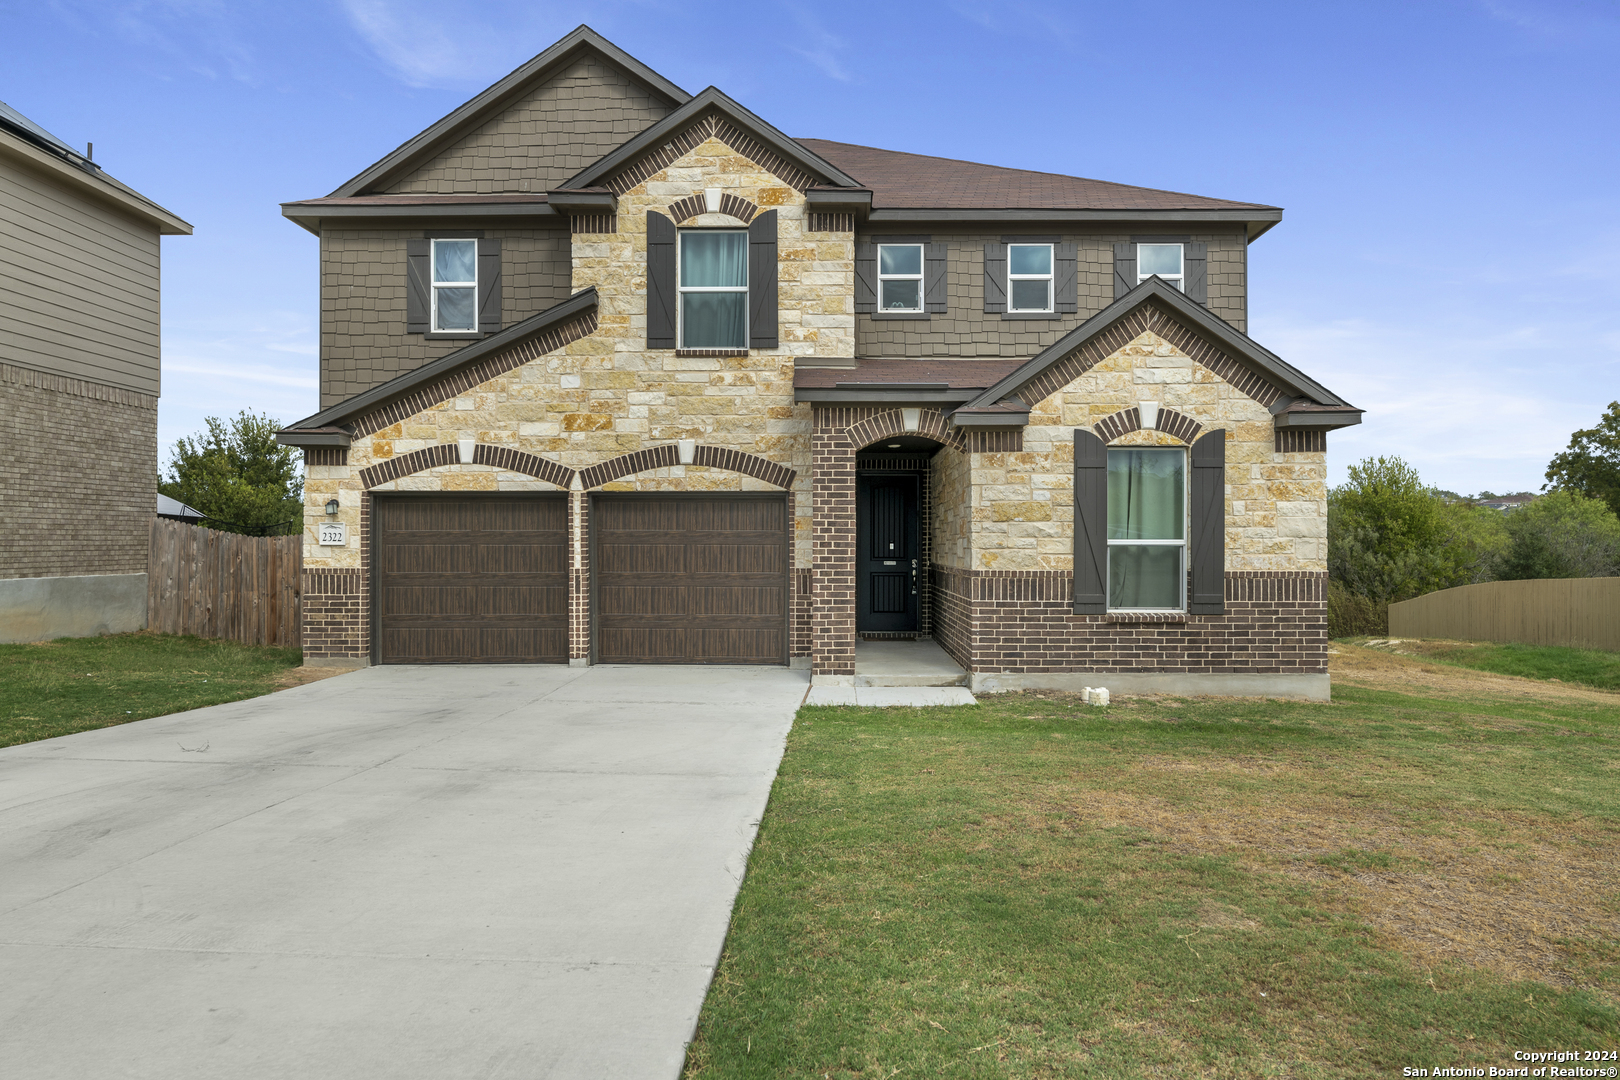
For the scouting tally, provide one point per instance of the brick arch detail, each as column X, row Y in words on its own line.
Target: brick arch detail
column 888, row 424
column 1176, row 425
column 500, row 457
column 667, row 455
column 693, row 205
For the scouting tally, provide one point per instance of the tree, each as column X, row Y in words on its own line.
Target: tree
column 1561, row 535
column 239, row 477
column 1591, row 465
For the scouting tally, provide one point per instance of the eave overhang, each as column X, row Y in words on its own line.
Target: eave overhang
column 1009, row 414
column 310, row 213
column 92, row 181
column 583, row 201
column 1255, row 222
column 881, row 394
column 324, row 436
column 1200, row 320
column 837, row 200
column 332, row 420
column 710, row 99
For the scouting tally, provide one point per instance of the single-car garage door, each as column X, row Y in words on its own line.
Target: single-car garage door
column 472, row 579
column 690, row 579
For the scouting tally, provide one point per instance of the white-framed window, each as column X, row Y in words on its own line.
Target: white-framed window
column 455, row 286
column 1029, row 277
column 1147, row 528
column 900, row 277
column 1164, row 260
column 712, row 280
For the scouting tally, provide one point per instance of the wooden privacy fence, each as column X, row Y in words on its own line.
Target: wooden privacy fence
column 1583, row 612
column 223, row 585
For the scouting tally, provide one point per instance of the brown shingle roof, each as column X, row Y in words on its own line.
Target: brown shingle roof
column 917, row 181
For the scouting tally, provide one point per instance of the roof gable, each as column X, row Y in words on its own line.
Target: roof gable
column 586, row 93
column 710, row 113
column 1208, row 339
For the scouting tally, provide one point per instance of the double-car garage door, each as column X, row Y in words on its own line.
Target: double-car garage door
column 677, row 579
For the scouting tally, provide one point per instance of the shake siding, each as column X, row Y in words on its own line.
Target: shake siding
column 80, row 282
column 363, row 339
column 966, row 330
column 541, row 140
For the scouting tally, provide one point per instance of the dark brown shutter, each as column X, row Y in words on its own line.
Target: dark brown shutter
column 1066, row 278
column 1209, row 525
column 762, row 310
column 661, row 298
column 1195, row 274
column 865, row 278
column 1124, row 268
column 934, row 279
column 1090, row 524
column 417, row 285
column 995, row 278
column 489, row 286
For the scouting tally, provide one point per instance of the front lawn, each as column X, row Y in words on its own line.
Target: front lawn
column 1419, row 874
column 1587, row 667
column 75, row 684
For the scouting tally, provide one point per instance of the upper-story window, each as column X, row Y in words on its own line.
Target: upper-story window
column 1147, row 529
column 900, row 277
column 455, row 285
column 713, row 286
column 1029, row 277
column 1164, row 260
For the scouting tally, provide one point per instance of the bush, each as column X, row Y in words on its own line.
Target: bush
column 1563, row 534
column 1353, row 615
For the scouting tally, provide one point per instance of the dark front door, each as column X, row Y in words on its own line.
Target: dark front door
column 472, row 579
column 887, row 542
column 690, row 579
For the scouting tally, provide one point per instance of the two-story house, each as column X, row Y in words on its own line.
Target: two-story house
column 613, row 373
column 79, row 383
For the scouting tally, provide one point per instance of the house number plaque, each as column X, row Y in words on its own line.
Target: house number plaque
column 334, row 534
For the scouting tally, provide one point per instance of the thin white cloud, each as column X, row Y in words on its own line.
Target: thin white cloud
column 1049, row 22
column 822, row 48
column 421, row 48
column 201, row 36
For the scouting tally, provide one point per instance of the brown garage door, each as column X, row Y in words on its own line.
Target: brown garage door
column 690, row 579
column 472, row 579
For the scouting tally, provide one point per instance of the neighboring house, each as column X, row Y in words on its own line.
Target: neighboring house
column 611, row 373
column 174, row 510
column 1505, row 503
column 78, row 388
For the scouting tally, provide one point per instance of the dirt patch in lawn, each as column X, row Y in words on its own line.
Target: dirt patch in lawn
column 1533, row 902
column 298, row 676
column 1406, row 672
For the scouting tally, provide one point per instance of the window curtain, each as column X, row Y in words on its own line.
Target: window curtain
column 1146, row 501
column 714, row 320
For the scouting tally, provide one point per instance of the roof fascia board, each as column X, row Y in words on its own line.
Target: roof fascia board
column 451, row 125
column 587, row 202
column 314, row 214
column 984, row 420
column 366, row 400
column 98, row 185
column 1349, row 418
column 829, row 396
column 1243, row 217
column 708, row 98
column 1196, row 316
column 313, row 438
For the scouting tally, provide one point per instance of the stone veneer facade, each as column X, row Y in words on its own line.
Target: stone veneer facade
column 589, row 407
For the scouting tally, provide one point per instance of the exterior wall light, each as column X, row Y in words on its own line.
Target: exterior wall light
column 331, row 508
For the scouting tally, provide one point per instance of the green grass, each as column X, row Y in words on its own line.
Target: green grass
column 1586, row 667
column 1036, row 888
column 75, row 684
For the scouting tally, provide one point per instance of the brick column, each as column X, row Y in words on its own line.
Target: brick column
column 579, row 579
column 832, row 559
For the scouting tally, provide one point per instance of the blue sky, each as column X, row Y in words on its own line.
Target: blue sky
column 1448, row 259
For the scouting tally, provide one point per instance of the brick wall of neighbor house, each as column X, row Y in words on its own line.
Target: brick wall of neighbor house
column 75, row 500
column 601, row 394
column 536, row 143
column 965, row 330
column 363, row 339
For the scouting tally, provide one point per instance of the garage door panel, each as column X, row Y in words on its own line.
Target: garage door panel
column 690, row 579
column 471, row 579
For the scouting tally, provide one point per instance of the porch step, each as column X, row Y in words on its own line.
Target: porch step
column 906, row 663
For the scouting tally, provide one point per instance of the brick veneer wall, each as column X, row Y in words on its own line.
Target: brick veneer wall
column 334, row 611
column 800, row 632
column 79, row 488
column 1023, row 622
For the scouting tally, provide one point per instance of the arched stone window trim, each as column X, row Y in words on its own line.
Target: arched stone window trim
column 669, row 455
column 693, row 205
column 1174, row 424
column 500, row 457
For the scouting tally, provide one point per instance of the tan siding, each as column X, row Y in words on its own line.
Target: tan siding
column 544, row 138
column 965, row 330
column 363, row 339
column 80, row 283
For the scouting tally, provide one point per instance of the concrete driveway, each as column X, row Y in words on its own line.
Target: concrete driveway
column 401, row 872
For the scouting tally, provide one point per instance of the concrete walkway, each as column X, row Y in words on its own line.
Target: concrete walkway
column 912, row 674
column 402, row 872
